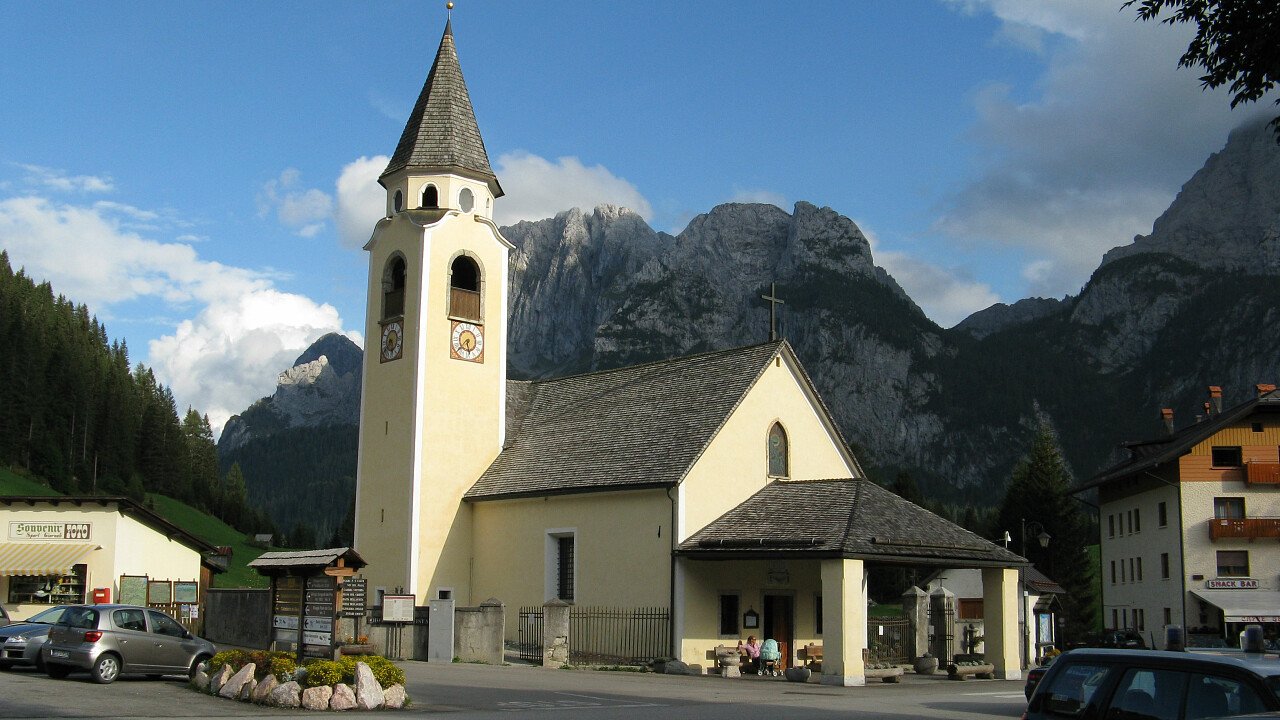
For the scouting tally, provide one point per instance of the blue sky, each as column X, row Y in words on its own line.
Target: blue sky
column 203, row 175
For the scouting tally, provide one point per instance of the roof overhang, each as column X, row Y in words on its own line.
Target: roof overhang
column 42, row 558
column 1246, row 606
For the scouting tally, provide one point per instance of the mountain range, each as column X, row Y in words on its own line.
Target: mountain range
column 1162, row 318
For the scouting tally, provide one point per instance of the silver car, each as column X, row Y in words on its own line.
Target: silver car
column 21, row 640
column 108, row 640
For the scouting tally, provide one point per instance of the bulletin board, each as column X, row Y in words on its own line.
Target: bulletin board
column 133, row 590
column 159, row 592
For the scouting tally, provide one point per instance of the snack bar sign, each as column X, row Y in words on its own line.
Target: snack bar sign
column 49, row 531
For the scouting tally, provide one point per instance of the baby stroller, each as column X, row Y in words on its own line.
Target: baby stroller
column 769, row 658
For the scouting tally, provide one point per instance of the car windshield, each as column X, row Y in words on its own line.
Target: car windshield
column 47, row 617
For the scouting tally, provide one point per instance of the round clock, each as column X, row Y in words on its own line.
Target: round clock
column 392, row 340
column 467, row 341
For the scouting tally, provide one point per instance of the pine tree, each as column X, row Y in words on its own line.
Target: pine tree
column 1039, row 500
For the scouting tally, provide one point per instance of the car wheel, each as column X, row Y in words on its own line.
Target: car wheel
column 4, row 666
column 39, row 664
column 195, row 665
column 56, row 671
column 106, row 669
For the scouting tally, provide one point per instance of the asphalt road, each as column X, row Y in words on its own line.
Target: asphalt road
column 484, row 691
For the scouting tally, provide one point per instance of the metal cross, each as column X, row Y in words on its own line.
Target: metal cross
column 774, row 302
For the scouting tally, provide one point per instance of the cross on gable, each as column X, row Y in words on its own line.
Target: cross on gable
column 774, row 302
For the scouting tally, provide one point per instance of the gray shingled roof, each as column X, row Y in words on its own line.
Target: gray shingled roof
column 442, row 131
column 841, row 518
column 1150, row 453
column 640, row 426
column 275, row 562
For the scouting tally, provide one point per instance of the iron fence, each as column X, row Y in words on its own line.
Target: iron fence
column 603, row 635
column 887, row 639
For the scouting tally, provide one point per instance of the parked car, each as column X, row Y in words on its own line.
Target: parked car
column 1035, row 674
column 1093, row 684
column 108, row 640
column 4, row 616
column 1110, row 639
column 20, row 641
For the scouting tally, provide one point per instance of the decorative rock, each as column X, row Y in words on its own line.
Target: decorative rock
column 218, row 679
column 675, row 667
column 369, row 694
column 287, row 695
column 201, row 680
column 246, row 692
column 394, row 697
column 343, row 697
column 797, row 674
column 317, row 698
column 231, row 687
column 264, row 689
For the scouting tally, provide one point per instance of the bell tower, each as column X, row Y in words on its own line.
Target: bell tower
column 433, row 407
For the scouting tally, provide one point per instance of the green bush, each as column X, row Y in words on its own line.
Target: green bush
column 385, row 672
column 323, row 672
column 265, row 662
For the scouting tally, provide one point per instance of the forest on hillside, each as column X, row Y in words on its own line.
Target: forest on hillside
column 74, row 412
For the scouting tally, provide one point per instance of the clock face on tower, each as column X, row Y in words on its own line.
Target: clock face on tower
column 392, row 341
column 467, row 342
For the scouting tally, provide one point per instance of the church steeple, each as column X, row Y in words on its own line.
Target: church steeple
column 441, row 135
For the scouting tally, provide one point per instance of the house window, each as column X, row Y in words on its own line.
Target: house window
column 1233, row 563
column 1124, row 618
column 48, row 589
column 464, row 288
column 1137, row 520
column 729, row 614
column 1115, row 619
column 970, row 609
column 1133, row 576
column 1164, row 566
column 560, row 568
column 1228, row 508
column 1162, row 514
column 1257, row 427
column 393, row 279
column 1226, row 456
column 1111, row 526
column 817, row 614
column 1168, row 616
column 430, row 197
column 564, row 569
column 778, row 451
column 1129, row 516
column 1139, row 569
column 1113, row 572
column 1140, row 618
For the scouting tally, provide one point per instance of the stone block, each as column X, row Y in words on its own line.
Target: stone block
column 246, row 692
column 200, row 680
column 343, row 697
column 264, row 689
column 288, row 695
column 317, row 698
column 218, row 679
column 394, row 697
column 369, row 695
column 232, row 686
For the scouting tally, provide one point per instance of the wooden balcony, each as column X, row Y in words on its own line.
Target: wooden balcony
column 464, row 304
column 1262, row 473
column 1248, row 528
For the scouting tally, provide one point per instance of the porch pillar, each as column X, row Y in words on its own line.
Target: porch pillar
column 915, row 606
column 1000, row 616
column 844, row 622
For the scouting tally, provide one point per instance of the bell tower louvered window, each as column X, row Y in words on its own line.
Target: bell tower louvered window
column 393, row 279
column 464, row 289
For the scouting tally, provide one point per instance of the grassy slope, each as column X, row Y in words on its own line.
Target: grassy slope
column 204, row 526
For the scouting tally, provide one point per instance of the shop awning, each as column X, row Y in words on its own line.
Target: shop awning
column 1248, row 606
column 47, row 558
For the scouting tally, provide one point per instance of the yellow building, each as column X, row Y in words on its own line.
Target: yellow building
column 715, row 486
column 59, row 550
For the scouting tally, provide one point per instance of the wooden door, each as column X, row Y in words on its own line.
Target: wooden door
column 778, row 624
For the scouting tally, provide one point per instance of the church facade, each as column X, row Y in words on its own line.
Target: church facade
column 715, row 485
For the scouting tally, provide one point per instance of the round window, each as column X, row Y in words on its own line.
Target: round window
column 466, row 200
column 398, row 202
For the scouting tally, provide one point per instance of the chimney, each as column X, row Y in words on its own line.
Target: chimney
column 1264, row 388
column 1166, row 414
column 1215, row 397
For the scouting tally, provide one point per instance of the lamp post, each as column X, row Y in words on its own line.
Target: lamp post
column 1024, row 612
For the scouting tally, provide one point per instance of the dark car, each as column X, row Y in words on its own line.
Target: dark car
column 1098, row 684
column 4, row 616
column 1110, row 639
column 108, row 640
column 1034, row 675
column 20, row 642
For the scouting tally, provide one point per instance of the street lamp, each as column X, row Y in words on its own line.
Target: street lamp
column 1029, row 527
column 1024, row 612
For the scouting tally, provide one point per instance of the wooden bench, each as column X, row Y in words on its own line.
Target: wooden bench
column 813, row 657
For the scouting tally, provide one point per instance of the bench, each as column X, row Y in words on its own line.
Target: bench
column 813, row 657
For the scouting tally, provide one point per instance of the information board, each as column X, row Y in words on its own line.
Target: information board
column 186, row 591
column 353, row 597
column 397, row 608
column 133, row 590
column 159, row 592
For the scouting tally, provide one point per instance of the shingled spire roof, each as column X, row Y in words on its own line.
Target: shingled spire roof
column 442, row 133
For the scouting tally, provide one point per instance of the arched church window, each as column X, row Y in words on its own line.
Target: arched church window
column 398, row 201
column 464, row 288
column 393, row 288
column 778, row 453
column 430, row 197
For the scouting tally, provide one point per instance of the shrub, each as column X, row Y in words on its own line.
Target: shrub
column 385, row 672
column 265, row 662
column 323, row 672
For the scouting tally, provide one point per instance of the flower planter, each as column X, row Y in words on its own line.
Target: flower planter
column 797, row 674
column 357, row 649
column 984, row 671
column 889, row 675
column 926, row 665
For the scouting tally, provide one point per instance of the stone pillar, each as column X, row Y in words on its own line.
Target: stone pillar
column 915, row 607
column 440, row 631
column 844, row 622
column 555, row 633
column 494, row 618
column 942, row 616
column 1000, row 616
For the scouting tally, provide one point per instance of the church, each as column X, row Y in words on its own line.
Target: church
column 716, row 486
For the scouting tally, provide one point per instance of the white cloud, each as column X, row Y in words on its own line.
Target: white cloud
column 1113, row 130
column 303, row 210
column 538, row 188
column 946, row 295
column 361, row 200
column 241, row 330
column 58, row 180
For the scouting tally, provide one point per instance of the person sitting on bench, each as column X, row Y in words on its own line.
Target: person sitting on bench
column 750, row 652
